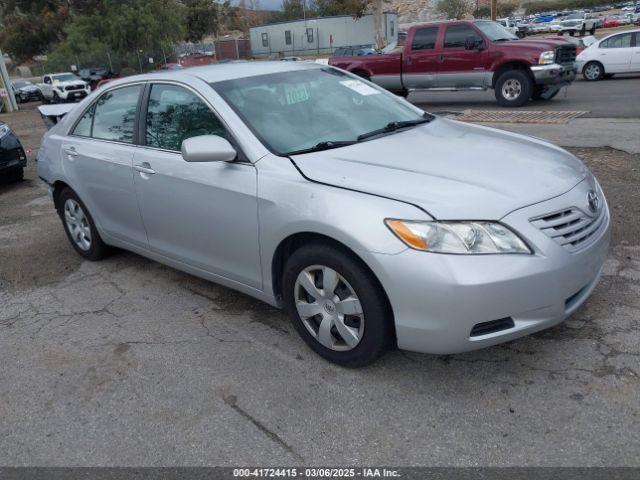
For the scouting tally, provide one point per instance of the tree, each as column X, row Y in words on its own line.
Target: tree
column 454, row 9
column 293, row 9
column 201, row 17
column 325, row 8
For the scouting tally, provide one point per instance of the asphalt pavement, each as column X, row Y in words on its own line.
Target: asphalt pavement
column 618, row 97
column 128, row 362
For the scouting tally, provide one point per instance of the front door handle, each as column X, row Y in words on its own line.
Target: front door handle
column 71, row 151
column 440, row 58
column 145, row 168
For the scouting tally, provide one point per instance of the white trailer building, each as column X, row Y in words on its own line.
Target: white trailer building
column 320, row 35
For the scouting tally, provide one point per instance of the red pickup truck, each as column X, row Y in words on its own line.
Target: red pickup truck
column 470, row 55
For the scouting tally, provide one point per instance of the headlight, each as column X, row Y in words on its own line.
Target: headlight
column 547, row 57
column 4, row 130
column 458, row 237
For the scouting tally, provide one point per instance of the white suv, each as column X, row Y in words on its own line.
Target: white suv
column 63, row 87
column 579, row 22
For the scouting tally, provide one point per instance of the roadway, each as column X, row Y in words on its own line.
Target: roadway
column 618, row 97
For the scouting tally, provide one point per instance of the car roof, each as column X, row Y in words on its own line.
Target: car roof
column 223, row 71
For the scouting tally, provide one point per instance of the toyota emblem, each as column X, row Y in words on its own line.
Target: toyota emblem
column 593, row 201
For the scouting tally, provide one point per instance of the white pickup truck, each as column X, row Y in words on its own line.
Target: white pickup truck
column 579, row 22
column 63, row 87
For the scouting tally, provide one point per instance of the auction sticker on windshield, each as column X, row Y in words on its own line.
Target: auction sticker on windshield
column 360, row 87
column 296, row 94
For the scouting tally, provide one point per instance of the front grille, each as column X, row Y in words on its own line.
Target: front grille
column 566, row 54
column 572, row 228
column 71, row 88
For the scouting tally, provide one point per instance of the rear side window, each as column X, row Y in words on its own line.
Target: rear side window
column 425, row 39
column 175, row 114
column 455, row 35
column 619, row 41
column 115, row 114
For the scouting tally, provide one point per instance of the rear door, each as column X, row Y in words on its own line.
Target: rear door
column 461, row 68
column 615, row 53
column 201, row 214
column 420, row 62
column 98, row 156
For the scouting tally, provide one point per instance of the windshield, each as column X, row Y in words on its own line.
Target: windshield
column 64, row 77
column 298, row 110
column 494, row 31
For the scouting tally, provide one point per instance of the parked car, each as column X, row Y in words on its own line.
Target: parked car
column 611, row 22
column 283, row 180
column 25, row 91
column 512, row 25
column 616, row 53
column 580, row 22
column 357, row 51
column 93, row 75
column 474, row 55
column 580, row 42
column 63, row 87
column 13, row 158
column 169, row 66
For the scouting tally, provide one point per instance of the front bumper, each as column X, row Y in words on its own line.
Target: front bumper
column 437, row 299
column 553, row 74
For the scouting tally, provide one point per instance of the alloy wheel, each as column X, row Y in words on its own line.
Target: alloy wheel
column 592, row 72
column 77, row 224
column 511, row 89
column 329, row 308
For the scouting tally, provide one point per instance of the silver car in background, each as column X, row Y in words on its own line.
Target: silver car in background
column 372, row 222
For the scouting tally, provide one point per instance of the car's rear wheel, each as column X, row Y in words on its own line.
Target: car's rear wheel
column 513, row 88
column 593, row 71
column 336, row 305
column 79, row 226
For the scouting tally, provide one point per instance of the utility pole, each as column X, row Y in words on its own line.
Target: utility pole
column 494, row 9
column 9, row 98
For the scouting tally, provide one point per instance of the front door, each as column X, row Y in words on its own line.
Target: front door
column 201, row 214
column 461, row 68
column 99, row 152
column 421, row 63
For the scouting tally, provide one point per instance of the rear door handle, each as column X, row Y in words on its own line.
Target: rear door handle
column 145, row 168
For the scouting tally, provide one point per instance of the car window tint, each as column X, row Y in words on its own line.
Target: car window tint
column 619, row 41
column 175, row 114
column 83, row 127
column 455, row 35
column 425, row 39
column 115, row 114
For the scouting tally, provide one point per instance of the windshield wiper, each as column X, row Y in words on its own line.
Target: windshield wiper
column 504, row 39
column 326, row 145
column 393, row 126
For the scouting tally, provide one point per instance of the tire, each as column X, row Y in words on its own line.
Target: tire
column 593, row 71
column 370, row 330
column 593, row 30
column 583, row 30
column 513, row 88
column 56, row 98
column 538, row 90
column 94, row 249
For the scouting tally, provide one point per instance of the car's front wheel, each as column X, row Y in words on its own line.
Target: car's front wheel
column 337, row 305
column 79, row 226
column 513, row 88
column 593, row 71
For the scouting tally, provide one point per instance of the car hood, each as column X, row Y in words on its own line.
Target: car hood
column 29, row 89
column 452, row 170
column 70, row 83
column 541, row 45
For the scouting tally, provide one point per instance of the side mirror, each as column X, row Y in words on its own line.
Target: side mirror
column 208, row 148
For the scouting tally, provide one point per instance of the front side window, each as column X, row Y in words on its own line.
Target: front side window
column 425, row 38
column 456, row 35
column 293, row 111
column 115, row 114
column 619, row 41
column 175, row 114
column 83, row 127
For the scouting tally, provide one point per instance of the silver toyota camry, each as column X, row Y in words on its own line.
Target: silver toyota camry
column 373, row 223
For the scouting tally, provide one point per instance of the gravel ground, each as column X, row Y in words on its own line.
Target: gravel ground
column 128, row 362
